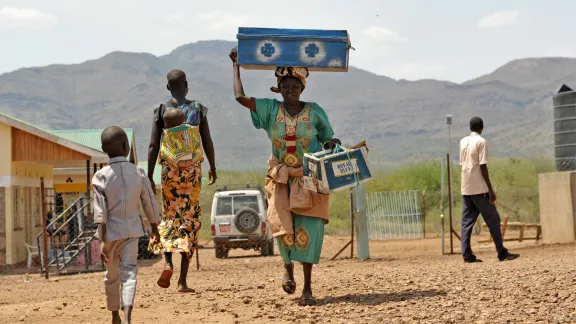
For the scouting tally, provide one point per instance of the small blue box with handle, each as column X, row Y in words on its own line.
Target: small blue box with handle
column 317, row 50
column 330, row 171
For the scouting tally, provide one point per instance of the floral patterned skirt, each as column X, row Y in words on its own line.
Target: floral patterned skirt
column 181, row 210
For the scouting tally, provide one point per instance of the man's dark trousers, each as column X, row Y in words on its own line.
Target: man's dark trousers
column 472, row 206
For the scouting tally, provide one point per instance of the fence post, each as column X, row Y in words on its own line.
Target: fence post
column 362, row 238
column 424, row 214
column 450, row 201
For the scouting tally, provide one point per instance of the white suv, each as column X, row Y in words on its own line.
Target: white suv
column 239, row 220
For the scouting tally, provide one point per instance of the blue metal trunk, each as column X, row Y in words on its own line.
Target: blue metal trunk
column 318, row 50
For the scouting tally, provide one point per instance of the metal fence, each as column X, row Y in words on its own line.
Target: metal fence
column 394, row 215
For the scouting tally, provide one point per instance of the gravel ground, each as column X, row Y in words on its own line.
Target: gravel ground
column 405, row 282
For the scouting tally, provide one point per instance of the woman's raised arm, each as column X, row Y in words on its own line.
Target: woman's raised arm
column 242, row 99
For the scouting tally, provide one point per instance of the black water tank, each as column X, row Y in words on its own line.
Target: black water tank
column 565, row 129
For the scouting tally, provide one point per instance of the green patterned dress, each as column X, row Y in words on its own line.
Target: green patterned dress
column 291, row 137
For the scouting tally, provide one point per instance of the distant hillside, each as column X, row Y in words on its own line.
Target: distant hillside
column 401, row 120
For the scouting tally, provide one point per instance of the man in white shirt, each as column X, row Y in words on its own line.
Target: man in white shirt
column 477, row 193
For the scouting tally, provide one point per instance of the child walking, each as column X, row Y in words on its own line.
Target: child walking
column 118, row 190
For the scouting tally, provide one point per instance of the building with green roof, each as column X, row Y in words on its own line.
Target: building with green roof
column 72, row 181
column 91, row 138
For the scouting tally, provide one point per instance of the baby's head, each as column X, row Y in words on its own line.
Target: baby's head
column 174, row 117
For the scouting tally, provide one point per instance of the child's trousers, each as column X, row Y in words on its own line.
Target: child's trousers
column 121, row 270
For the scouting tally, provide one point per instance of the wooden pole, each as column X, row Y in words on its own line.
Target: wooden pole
column 87, row 249
column 442, row 204
column 44, row 230
column 342, row 249
column 352, row 218
column 449, row 201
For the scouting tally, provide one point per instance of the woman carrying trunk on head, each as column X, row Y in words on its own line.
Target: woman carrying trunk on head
column 297, row 216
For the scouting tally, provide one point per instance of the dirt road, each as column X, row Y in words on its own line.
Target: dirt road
column 405, row 282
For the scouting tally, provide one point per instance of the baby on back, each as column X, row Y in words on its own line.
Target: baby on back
column 174, row 118
column 181, row 144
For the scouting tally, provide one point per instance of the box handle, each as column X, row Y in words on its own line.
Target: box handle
column 344, row 149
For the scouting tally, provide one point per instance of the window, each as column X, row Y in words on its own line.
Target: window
column 224, row 206
column 245, row 202
column 232, row 205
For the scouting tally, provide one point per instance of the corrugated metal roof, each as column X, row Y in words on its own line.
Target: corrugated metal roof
column 89, row 137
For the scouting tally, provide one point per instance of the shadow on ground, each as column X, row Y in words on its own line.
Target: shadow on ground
column 381, row 298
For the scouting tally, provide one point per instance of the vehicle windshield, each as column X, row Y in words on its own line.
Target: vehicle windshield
column 231, row 205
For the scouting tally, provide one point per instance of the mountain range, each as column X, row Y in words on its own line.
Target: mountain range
column 400, row 120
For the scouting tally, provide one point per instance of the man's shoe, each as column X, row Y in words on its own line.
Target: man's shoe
column 472, row 260
column 508, row 257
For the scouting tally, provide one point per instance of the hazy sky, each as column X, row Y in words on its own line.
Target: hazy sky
column 444, row 39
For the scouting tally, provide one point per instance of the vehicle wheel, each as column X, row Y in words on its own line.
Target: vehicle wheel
column 265, row 248
column 246, row 220
column 271, row 246
column 221, row 251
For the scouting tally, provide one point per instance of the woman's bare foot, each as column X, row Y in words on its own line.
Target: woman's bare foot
column 307, row 299
column 288, row 282
column 182, row 286
column 182, row 289
column 289, row 271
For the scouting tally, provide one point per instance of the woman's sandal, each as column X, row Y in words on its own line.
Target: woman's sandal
column 288, row 285
column 164, row 281
column 185, row 291
column 307, row 301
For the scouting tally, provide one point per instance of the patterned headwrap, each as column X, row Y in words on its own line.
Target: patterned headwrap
column 300, row 73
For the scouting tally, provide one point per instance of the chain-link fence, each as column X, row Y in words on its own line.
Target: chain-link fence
column 394, row 215
column 516, row 185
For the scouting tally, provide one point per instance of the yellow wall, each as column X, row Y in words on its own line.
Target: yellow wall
column 5, row 170
column 31, row 170
column 5, row 149
column 78, row 182
column 76, row 178
column 22, row 175
column 70, row 187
